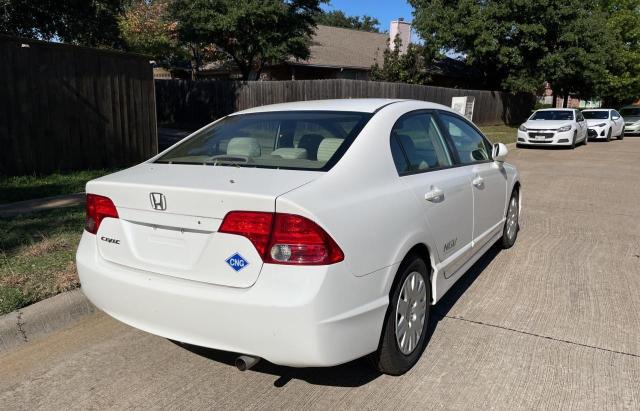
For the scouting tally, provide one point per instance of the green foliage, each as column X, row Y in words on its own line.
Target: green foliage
column 250, row 33
column 409, row 67
column 337, row 18
column 147, row 29
column 87, row 23
column 622, row 82
column 18, row 188
column 578, row 46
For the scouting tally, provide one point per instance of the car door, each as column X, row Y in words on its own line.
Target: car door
column 582, row 125
column 425, row 162
column 488, row 178
column 618, row 122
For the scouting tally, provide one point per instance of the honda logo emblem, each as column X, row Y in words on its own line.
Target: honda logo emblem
column 158, row 201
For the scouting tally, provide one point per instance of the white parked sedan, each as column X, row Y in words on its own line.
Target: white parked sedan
column 604, row 124
column 308, row 234
column 554, row 126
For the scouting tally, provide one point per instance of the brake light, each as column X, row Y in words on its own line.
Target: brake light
column 97, row 209
column 284, row 238
column 256, row 226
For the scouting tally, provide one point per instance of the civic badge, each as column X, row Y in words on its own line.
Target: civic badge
column 237, row 262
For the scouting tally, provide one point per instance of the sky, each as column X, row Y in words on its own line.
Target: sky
column 383, row 10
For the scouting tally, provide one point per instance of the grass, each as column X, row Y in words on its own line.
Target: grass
column 35, row 186
column 501, row 133
column 37, row 256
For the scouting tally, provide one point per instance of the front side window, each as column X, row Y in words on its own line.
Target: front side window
column 309, row 140
column 596, row 115
column 418, row 145
column 471, row 145
column 579, row 116
column 552, row 115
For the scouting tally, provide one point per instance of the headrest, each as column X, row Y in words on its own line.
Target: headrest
column 328, row 147
column 244, row 146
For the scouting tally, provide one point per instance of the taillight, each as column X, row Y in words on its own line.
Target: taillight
column 98, row 208
column 256, row 226
column 284, row 238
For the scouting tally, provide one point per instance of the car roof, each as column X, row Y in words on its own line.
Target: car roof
column 364, row 105
column 597, row 109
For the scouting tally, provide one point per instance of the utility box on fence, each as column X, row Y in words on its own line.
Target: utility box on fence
column 463, row 106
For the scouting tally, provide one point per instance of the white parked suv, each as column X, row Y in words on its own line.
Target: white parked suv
column 553, row 126
column 308, row 234
column 604, row 124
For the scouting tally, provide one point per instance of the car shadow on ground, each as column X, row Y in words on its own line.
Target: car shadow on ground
column 358, row 372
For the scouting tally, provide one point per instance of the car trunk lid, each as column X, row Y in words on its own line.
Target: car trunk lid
column 169, row 217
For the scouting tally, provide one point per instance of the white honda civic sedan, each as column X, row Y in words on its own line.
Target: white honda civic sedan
column 308, row 234
column 554, row 126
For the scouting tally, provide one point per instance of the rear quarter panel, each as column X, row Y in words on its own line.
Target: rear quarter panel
column 363, row 204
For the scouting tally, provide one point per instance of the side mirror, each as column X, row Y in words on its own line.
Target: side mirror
column 500, row 152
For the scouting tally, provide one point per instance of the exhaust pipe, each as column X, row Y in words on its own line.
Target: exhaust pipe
column 245, row 362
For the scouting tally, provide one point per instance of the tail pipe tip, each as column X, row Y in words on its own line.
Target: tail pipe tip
column 245, row 362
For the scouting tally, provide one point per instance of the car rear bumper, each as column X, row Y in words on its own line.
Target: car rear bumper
column 316, row 316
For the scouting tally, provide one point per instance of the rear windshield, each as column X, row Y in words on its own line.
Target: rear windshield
column 306, row 140
column 630, row 111
column 596, row 115
column 552, row 115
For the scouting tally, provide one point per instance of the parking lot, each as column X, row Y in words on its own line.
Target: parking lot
column 553, row 323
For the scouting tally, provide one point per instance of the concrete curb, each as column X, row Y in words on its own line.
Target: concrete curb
column 44, row 317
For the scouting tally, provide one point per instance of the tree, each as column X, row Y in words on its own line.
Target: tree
column 147, row 29
column 622, row 82
column 397, row 67
column 518, row 44
column 249, row 33
column 337, row 18
column 87, row 23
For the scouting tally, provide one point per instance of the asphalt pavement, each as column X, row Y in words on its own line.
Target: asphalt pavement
column 553, row 323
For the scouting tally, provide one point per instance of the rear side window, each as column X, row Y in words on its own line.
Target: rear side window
column 471, row 146
column 417, row 144
column 308, row 140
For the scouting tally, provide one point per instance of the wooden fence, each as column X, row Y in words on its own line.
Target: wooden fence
column 64, row 107
column 195, row 103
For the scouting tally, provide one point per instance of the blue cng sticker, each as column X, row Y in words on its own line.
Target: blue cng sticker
column 237, row 262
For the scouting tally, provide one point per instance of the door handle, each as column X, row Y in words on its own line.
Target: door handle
column 435, row 195
column 478, row 182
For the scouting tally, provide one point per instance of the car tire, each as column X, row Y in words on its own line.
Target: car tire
column 586, row 140
column 390, row 358
column 621, row 136
column 573, row 142
column 609, row 136
column 512, row 223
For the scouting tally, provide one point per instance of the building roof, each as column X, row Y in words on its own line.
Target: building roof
column 348, row 48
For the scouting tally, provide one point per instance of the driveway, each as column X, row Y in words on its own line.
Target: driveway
column 553, row 323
